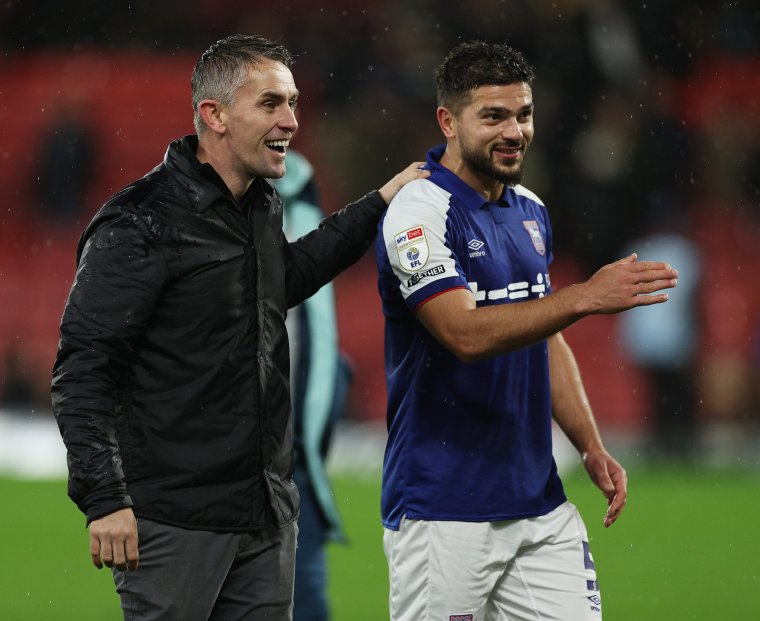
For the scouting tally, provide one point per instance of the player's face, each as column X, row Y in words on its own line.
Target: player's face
column 261, row 121
column 494, row 130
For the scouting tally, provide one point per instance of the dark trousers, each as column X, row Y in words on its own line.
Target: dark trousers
column 310, row 599
column 675, row 422
column 197, row 575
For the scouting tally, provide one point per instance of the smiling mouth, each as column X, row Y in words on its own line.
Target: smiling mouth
column 278, row 145
column 509, row 150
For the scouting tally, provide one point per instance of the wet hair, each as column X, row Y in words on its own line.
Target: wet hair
column 224, row 66
column 473, row 64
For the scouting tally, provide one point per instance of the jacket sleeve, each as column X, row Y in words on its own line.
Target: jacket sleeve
column 119, row 277
column 339, row 242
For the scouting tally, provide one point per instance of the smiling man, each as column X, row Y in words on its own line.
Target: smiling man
column 171, row 384
column 477, row 525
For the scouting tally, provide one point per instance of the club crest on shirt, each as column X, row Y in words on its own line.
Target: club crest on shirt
column 535, row 236
column 460, row 617
column 412, row 248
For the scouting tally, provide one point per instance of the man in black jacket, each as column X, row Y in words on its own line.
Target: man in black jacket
column 170, row 386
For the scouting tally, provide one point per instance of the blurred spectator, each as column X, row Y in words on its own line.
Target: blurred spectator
column 596, row 190
column 17, row 391
column 65, row 166
column 664, row 341
column 319, row 380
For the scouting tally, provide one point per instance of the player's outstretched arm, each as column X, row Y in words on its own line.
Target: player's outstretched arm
column 113, row 540
column 473, row 333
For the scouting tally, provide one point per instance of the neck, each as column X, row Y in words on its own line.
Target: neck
column 484, row 185
column 236, row 183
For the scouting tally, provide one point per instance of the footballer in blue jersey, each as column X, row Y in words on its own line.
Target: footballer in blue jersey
column 468, row 442
column 477, row 525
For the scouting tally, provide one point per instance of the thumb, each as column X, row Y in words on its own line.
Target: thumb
column 600, row 474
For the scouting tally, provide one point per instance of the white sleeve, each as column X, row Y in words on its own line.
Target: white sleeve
column 417, row 245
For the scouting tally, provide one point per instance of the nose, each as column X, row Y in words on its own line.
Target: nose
column 288, row 121
column 511, row 130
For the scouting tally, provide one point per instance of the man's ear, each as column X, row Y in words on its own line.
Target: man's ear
column 446, row 121
column 210, row 111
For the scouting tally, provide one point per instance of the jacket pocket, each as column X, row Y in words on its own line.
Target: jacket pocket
column 283, row 497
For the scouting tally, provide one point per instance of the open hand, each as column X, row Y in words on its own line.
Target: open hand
column 628, row 283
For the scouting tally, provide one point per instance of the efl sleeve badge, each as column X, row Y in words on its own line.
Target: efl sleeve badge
column 412, row 248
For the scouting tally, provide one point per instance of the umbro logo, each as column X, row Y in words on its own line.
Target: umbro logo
column 595, row 603
column 476, row 246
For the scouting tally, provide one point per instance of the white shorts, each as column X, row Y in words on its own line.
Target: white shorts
column 513, row 570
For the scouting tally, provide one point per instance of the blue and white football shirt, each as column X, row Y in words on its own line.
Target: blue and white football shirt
column 466, row 441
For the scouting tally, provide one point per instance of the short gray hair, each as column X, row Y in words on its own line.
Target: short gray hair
column 224, row 66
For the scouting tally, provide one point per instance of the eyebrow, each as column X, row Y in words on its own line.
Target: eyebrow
column 502, row 110
column 272, row 94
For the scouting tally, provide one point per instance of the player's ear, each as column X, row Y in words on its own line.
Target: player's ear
column 446, row 121
column 210, row 111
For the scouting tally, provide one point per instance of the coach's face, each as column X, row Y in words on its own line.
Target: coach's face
column 492, row 133
column 261, row 121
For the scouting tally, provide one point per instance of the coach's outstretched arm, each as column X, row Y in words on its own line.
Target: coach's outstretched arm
column 473, row 333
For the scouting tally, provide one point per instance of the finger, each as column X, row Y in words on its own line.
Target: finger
column 417, row 171
column 631, row 258
column 668, row 277
column 657, row 285
column 608, row 489
column 648, row 300
column 611, row 517
column 95, row 552
column 604, row 483
column 132, row 550
column 106, row 553
column 658, row 269
column 119, row 556
column 615, row 509
column 619, row 479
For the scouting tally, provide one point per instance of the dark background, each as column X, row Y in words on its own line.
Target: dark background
column 647, row 119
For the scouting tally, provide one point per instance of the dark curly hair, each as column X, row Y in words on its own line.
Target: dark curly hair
column 473, row 64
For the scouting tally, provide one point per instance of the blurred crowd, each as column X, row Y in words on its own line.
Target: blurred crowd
column 647, row 140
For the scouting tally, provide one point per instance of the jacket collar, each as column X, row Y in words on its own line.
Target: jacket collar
column 202, row 183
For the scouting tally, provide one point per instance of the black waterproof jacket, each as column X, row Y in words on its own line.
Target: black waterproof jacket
column 171, row 383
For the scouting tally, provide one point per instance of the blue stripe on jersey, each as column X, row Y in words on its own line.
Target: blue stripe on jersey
column 469, row 442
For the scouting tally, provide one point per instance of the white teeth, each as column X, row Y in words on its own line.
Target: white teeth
column 278, row 143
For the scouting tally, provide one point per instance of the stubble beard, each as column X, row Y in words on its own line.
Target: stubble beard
column 483, row 163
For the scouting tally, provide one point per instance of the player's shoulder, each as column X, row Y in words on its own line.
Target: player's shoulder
column 521, row 190
column 420, row 190
column 420, row 197
column 420, row 204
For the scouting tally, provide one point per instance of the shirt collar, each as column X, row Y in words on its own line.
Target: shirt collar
column 446, row 179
